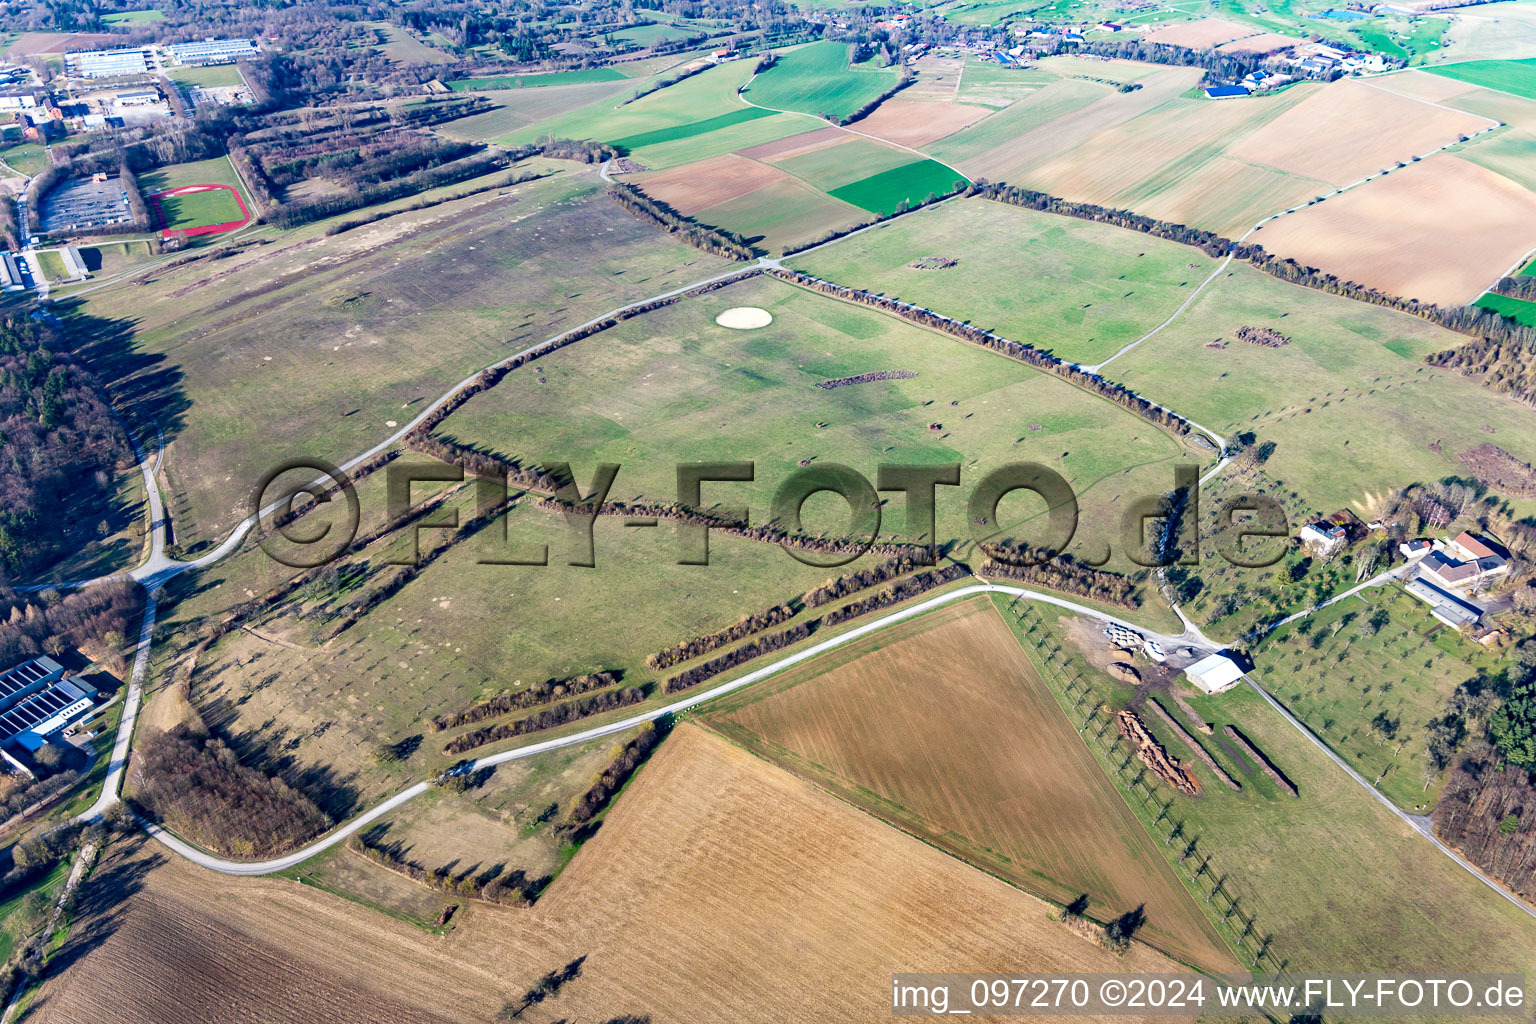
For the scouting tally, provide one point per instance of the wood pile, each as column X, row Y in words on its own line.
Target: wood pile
column 1163, row 765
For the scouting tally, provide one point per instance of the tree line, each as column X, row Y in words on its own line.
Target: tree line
column 740, row 656
column 903, row 591
column 907, row 77
column 550, row 718
column 1065, row 574
column 514, row 889
column 859, row 579
column 547, row 692
column 612, row 778
column 700, row 236
column 1028, row 354
column 702, row 645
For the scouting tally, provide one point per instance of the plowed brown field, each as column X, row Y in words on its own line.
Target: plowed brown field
column 915, row 124
column 942, row 726
column 696, row 186
column 1200, row 35
column 1441, row 230
column 719, row 889
column 1351, row 129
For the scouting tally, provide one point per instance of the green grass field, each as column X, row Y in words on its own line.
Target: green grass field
column 27, row 157
column 1349, row 402
column 1520, row 309
column 782, row 214
column 52, row 265
column 133, row 17
column 686, row 131
column 845, row 163
column 198, row 209
column 1332, row 878
column 1079, row 289
column 218, row 171
column 910, row 184
column 816, row 79
column 208, row 78
column 536, row 81
column 667, row 121
column 265, row 363
column 1511, row 76
column 673, row 386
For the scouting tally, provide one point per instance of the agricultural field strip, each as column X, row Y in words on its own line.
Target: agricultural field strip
column 741, row 95
column 230, row 867
column 1492, row 126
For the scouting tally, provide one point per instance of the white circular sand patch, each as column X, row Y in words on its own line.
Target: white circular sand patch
column 744, row 318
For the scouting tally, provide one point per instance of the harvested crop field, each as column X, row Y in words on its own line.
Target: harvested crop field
column 785, row 213
column 1013, row 155
column 1349, row 130
column 1264, row 42
column 1439, row 230
column 1200, row 35
column 770, row 894
column 847, row 161
column 943, row 727
column 794, row 145
column 916, row 124
column 694, row 187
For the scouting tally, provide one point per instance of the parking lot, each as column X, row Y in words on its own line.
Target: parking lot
column 84, row 204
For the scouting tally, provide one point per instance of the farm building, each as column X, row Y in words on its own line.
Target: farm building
column 1466, row 560
column 1214, row 673
column 108, row 63
column 1412, row 549
column 213, row 51
column 1222, row 92
column 1443, row 604
column 1322, row 537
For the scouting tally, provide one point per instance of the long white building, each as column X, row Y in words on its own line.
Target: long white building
column 212, row 51
column 108, row 63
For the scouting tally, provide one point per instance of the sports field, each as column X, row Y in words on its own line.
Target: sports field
column 1511, row 76
column 817, row 79
column 536, row 81
column 1079, row 289
column 1332, row 877
column 942, row 727
column 198, row 209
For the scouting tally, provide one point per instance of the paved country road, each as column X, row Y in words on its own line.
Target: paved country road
column 234, row 867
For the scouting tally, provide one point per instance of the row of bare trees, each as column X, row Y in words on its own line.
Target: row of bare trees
column 550, row 718
column 547, row 692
